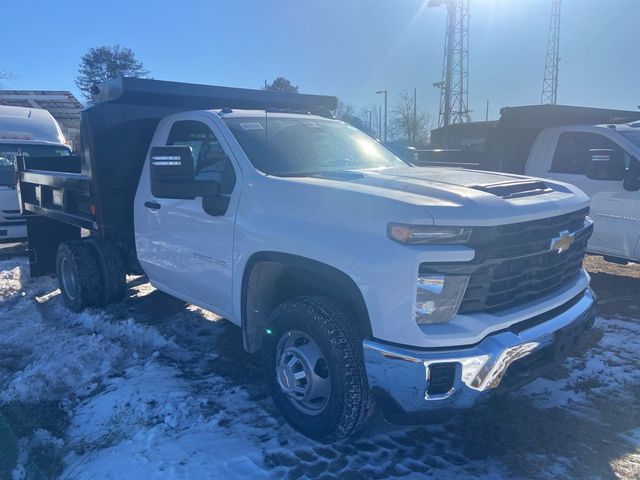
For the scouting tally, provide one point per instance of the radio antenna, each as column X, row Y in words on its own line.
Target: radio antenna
column 266, row 128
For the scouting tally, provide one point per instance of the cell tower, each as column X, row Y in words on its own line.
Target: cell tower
column 552, row 64
column 454, row 86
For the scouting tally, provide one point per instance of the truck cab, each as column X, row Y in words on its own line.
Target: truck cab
column 604, row 162
column 29, row 132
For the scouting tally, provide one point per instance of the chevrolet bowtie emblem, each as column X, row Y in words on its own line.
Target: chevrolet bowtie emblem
column 563, row 242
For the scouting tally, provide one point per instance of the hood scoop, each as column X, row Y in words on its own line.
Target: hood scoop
column 508, row 190
column 338, row 175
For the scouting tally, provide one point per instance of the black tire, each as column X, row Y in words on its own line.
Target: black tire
column 78, row 275
column 112, row 270
column 334, row 331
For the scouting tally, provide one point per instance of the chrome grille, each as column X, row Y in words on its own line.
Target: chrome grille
column 514, row 263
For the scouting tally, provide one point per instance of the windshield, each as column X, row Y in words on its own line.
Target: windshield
column 9, row 152
column 307, row 146
column 633, row 136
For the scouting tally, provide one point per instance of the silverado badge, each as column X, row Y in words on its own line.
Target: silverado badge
column 563, row 242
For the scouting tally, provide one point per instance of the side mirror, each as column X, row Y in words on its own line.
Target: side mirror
column 606, row 164
column 632, row 179
column 173, row 175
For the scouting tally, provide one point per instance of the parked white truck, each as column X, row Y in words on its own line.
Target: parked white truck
column 23, row 131
column 362, row 279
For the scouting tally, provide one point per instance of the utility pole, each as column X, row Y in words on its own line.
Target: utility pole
column 385, row 113
column 454, row 86
column 380, row 122
column 415, row 114
column 370, row 130
column 552, row 63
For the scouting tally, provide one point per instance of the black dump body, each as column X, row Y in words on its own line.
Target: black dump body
column 94, row 189
column 508, row 141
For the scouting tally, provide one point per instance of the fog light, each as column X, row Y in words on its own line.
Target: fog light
column 438, row 297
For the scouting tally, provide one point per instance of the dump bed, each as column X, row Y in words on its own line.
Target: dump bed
column 94, row 188
column 508, row 142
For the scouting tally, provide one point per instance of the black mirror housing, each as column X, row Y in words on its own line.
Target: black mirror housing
column 172, row 162
column 173, row 174
column 606, row 164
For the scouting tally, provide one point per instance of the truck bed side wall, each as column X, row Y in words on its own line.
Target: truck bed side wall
column 507, row 148
column 115, row 140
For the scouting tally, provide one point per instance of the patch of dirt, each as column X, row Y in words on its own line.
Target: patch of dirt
column 617, row 286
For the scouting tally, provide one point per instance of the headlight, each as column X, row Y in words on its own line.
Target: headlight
column 420, row 234
column 438, row 297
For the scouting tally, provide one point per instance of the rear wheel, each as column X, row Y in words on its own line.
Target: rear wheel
column 316, row 368
column 78, row 275
column 112, row 270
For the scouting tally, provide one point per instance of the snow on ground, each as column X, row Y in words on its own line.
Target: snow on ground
column 154, row 388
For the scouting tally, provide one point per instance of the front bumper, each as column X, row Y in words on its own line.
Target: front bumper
column 411, row 381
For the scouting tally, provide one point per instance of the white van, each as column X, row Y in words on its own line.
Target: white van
column 30, row 132
column 604, row 162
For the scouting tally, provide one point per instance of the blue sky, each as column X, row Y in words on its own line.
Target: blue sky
column 349, row 48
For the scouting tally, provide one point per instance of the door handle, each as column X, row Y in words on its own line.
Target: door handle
column 152, row 205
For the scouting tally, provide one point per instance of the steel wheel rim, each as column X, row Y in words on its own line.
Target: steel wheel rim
column 302, row 373
column 68, row 280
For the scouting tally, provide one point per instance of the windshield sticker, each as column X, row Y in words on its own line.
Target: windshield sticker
column 251, row 126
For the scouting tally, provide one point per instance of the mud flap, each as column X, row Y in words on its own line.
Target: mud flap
column 44, row 236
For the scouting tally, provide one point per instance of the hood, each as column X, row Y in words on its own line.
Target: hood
column 456, row 196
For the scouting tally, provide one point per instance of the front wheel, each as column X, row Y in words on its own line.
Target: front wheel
column 316, row 368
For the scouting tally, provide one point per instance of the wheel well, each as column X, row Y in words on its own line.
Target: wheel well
column 272, row 278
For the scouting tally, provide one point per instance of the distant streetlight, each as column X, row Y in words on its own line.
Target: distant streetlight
column 385, row 113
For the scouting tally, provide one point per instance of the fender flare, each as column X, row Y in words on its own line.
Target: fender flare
column 343, row 284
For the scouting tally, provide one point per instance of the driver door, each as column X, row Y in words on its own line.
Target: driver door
column 614, row 209
column 190, row 251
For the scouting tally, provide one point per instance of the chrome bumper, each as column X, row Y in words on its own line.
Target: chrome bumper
column 411, row 381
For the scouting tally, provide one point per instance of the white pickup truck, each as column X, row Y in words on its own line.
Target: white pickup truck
column 362, row 279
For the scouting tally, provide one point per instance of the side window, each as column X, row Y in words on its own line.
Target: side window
column 211, row 162
column 574, row 151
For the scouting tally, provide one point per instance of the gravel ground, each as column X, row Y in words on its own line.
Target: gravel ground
column 154, row 388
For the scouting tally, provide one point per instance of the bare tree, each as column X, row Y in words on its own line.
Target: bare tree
column 104, row 63
column 4, row 75
column 347, row 113
column 409, row 126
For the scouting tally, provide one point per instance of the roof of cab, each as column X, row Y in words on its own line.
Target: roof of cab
column 240, row 113
column 21, row 123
